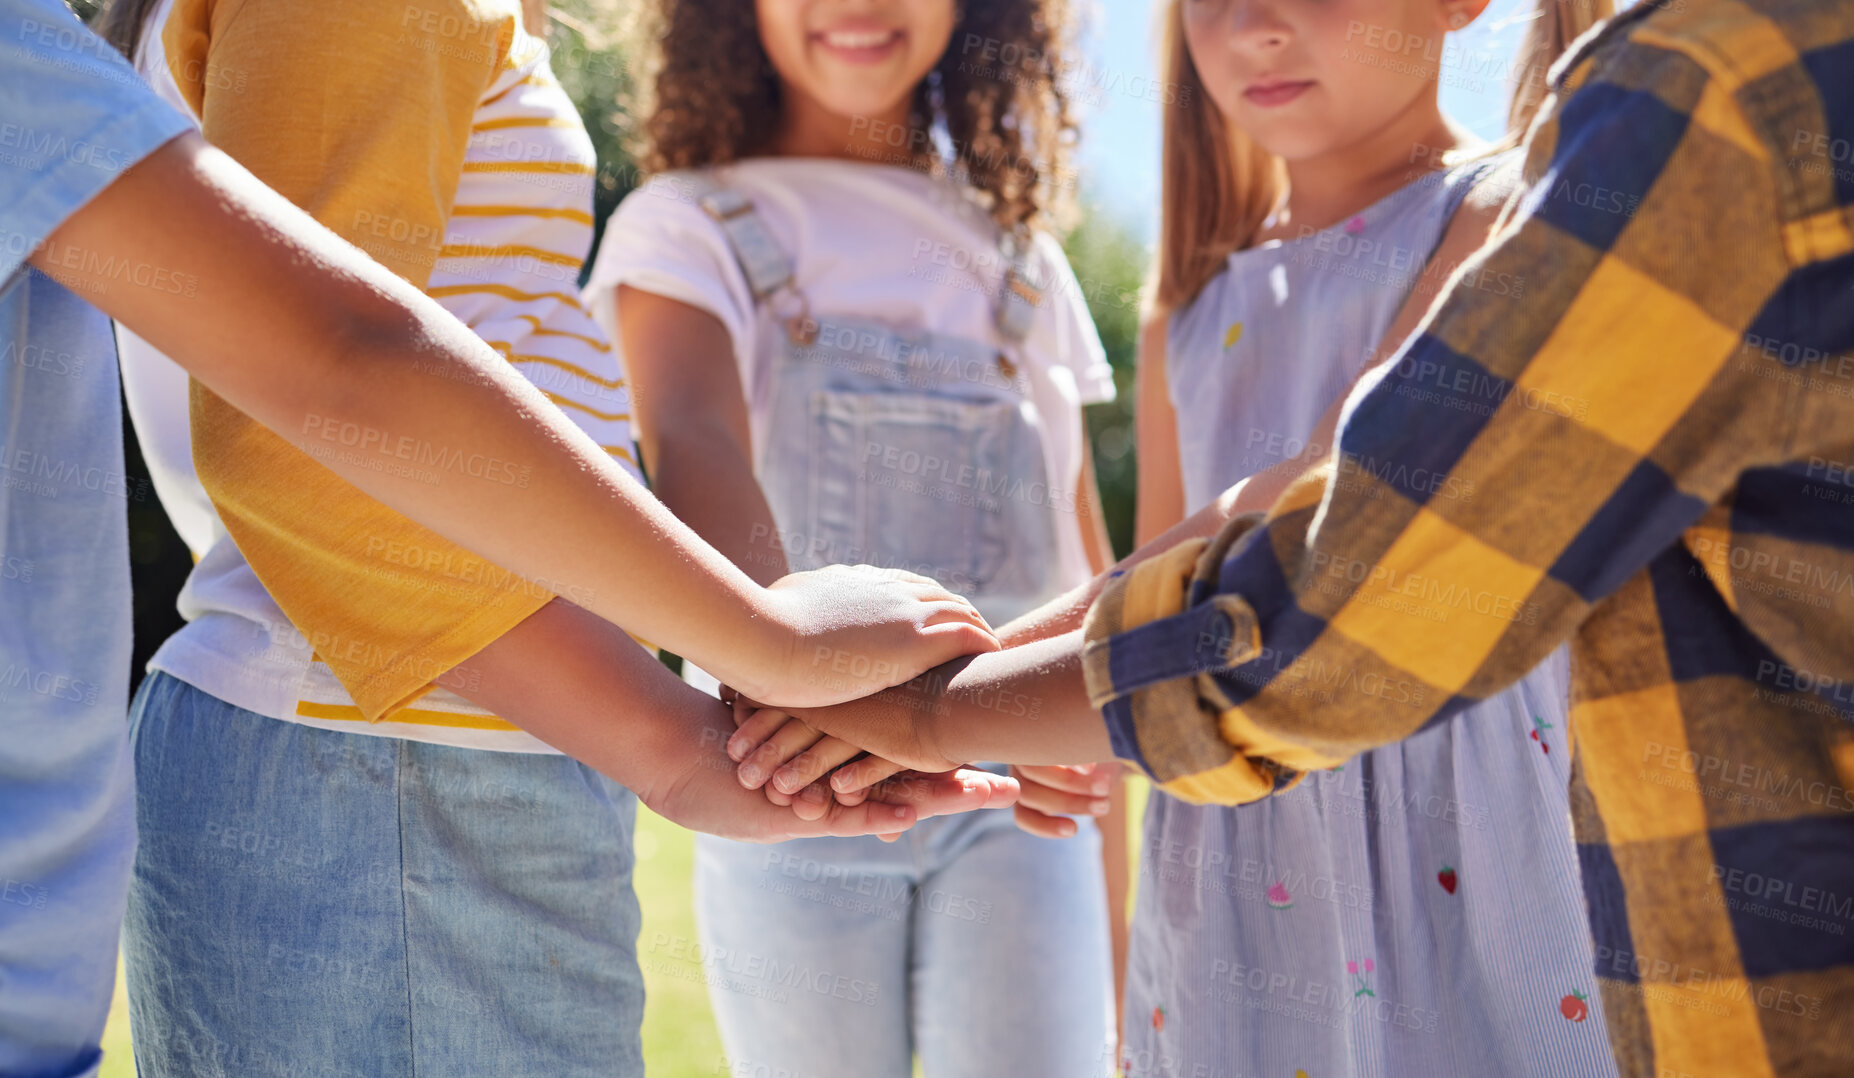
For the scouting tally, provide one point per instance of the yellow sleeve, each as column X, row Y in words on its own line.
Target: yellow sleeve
column 360, row 113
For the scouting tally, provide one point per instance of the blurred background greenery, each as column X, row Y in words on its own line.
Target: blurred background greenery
column 1109, row 257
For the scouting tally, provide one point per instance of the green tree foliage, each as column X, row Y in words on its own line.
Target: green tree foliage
column 1110, row 262
column 590, row 62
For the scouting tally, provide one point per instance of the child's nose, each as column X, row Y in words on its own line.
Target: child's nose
column 1256, row 25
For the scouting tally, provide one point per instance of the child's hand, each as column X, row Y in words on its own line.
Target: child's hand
column 789, row 757
column 794, row 754
column 784, row 755
column 856, row 629
column 1053, row 794
column 701, row 793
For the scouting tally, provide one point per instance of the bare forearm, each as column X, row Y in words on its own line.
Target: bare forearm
column 336, row 354
column 1023, row 705
column 587, row 689
column 1064, row 613
column 581, row 685
column 706, row 480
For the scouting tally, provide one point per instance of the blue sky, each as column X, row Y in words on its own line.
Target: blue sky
column 1120, row 130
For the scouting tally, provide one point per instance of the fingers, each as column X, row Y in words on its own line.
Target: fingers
column 1053, row 802
column 753, row 729
column 953, row 639
column 908, row 798
column 742, row 707
column 869, row 818
column 939, row 793
column 952, row 610
column 811, row 803
column 813, row 764
column 788, row 741
column 855, row 778
column 1096, row 780
column 948, row 607
column 1043, row 825
column 962, row 616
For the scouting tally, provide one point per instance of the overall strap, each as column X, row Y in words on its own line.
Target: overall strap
column 761, row 259
column 769, row 270
column 1019, row 295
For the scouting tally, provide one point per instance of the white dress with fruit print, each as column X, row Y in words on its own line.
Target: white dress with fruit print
column 1417, row 910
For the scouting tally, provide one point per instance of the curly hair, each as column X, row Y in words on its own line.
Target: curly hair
column 992, row 112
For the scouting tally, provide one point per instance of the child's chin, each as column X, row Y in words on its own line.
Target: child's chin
column 1291, row 141
column 855, row 97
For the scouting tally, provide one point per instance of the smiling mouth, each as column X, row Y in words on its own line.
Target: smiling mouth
column 859, row 45
column 1276, row 93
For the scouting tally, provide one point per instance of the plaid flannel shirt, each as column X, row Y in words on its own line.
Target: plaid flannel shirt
column 1651, row 454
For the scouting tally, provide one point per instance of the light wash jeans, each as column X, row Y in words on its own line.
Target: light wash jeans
column 315, row 903
column 980, row 947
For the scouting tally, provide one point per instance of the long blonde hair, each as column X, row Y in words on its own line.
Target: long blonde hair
column 1217, row 186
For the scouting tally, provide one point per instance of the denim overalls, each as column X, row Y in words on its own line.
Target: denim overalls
column 921, row 451
column 901, row 448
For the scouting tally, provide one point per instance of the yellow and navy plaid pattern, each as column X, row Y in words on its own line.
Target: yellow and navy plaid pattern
column 1652, row 454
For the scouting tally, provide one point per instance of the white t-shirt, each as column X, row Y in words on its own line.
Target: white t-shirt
column 881, row 243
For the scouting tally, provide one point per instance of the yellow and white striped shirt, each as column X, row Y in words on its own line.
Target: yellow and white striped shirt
column 436, row 138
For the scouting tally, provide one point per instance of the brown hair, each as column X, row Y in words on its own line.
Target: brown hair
column 1218, row 186
column 710, row 96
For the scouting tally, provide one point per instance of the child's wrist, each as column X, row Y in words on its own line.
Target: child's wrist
column 763, row 644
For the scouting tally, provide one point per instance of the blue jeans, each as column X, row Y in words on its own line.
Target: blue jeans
column 310, row 902
column 979, row 946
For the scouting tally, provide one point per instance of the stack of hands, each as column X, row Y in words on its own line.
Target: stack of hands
column 909, row 741
column 799, row 766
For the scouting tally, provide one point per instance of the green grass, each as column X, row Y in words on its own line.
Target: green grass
column 680, row 1040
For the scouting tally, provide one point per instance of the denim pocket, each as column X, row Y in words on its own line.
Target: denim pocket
column 951, row 489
